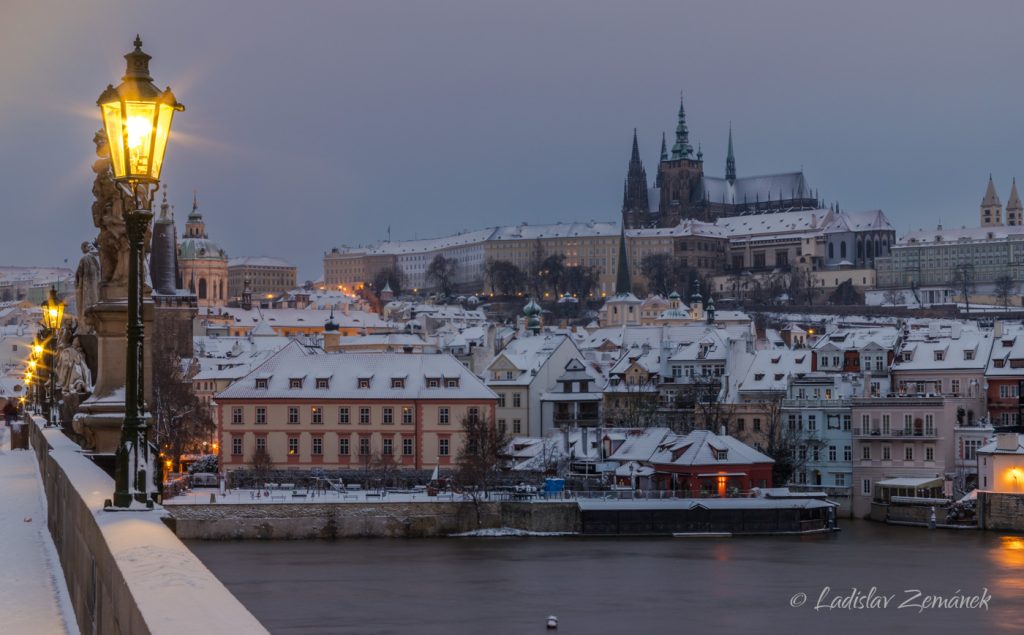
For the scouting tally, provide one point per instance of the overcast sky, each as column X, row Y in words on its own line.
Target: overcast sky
column 316, row 124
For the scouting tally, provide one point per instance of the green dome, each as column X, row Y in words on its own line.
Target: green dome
column 200, row 249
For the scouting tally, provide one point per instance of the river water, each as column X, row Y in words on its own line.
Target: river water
column 495, row 586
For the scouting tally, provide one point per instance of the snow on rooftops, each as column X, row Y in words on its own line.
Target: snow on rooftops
column 962, row 235
column 424, row 245
column 1007, row 357
column 703, row 447
column 421, row 376
column 952, row 346
column 778, row 223
column 769, row 370
column 258, row 261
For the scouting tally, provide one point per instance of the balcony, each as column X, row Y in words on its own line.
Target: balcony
column 878, row 433
column 817, row 404
column 576, row 420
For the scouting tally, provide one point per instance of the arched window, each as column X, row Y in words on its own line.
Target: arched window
column 842, row 249
column 860, row 249
column 202, row 288
column 878, row 248
column 831, row 252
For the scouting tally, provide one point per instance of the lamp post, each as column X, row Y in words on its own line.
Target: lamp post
column 137, row 121
column 53, row 316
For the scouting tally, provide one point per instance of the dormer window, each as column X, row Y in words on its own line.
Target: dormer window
column 398, row 382
column 295, row 382
column 940, row 355
column 778, row 376
column 968, row 355
column 721, row 455
column 758, row 376
column 451, row 382
column 433, row 382
column 262, row 383
column 364, row 382
column 323, row 382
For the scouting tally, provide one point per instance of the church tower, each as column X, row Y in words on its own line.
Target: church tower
column 730, row 161
column 202, row 262
column 991, row 208
column 1014, row 209
column 680, row 176
column 635, row 207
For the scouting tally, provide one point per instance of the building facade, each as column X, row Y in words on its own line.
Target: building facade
column 264, row 275
column 202, row 264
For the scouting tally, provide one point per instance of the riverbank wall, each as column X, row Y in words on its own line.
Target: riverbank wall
column 1003, row 512
column 301, row 521
column 125, row 571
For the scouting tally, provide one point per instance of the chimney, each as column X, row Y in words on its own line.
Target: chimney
column 997, row 329
column 721, row 430
column 1007, row 442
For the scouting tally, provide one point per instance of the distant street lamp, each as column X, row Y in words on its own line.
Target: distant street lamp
column 137, row 120
column 53, row 316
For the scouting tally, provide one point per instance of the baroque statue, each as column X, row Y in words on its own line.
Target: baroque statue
column 108, row 217
column 87, row 285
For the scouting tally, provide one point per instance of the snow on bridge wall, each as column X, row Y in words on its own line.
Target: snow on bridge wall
column 126, row 572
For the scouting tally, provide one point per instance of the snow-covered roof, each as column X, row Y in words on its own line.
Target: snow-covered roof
column 962, row 235
column 704, row 447
column 958, row 346
column 639, row 444
column 528, row 355
column 778, row 223
column 524, row 231
column 750, row 189
column 258, row 261
column 424, row 245
column 769, row 370
column 870, row 220
column 1007, row 356
column 344, row 370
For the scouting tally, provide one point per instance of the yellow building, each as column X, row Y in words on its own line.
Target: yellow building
column 202, row 263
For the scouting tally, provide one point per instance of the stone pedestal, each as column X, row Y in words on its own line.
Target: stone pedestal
column 100, row 416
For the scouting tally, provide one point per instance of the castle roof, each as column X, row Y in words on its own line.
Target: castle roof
column 750, row 189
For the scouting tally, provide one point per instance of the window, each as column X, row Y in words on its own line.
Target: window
column 261, row 444
column 236, row 415
column 908, row 453
column 407, row 447
column 502, row 427
column 389, row 415
column 364, row 446
column 293, row 414
column 433, row 382
column 364, row 416
column 885, row 424
column 451, row 382
column 865, row 452
column 792, row 422
column 343, row 416
column 954, row 386
column 929, row 424
column 908, row 423
column 816, row 454
column 722, row 455
column 1004, row 391
column 323, row 382
column 398, row 382
column 295, row 382
column 886, row 453
column 847, row 453
column 261, row 384
column 389, row 447
column 406, row 414
column 318, row 446
column 757, row 424
column 865, row 487
column 517, row 426
column 812, row 422
column 442, row 415
column 517, row 400
column 474, row 415
column 865, row 424
column 501, row 400
column 236, row 446
column 831, row 453
column 840, row 479
column 261, row 415
column 802, row 452
column 929, row 453
column 846, row 423
column 364, row 382
column 442, row 447
column 293, row 446
column 741, row 424
column 971, row 448
column 317, row 414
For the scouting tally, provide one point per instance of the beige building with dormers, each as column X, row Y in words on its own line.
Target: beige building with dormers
column 308, row 410
column 202, row 264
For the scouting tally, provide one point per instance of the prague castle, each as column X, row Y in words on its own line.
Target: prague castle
column 682, row 190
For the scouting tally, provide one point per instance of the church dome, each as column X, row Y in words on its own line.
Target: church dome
column 200, row 249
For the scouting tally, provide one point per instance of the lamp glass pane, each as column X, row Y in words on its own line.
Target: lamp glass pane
column 163, row 130
column 115, row 136
column 138, row 126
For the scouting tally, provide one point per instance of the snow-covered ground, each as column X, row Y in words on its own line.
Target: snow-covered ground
column 33, row 594
column 506, row 532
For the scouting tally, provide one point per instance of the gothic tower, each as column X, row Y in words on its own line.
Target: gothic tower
column 991, row 208
column 635, row 208
column 730, row 161
column 680, row 176
column 1014, row 209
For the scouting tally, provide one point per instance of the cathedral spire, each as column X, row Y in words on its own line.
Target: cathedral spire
column 634, row 191
column 730, row 160
column 664, row 148
column 622, row 284
column 682, row 148
column 991, row 207
column 1014, row 209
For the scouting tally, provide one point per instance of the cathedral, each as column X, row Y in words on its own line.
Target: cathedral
column 681, row 190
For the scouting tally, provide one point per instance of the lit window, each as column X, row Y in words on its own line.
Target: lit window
column 293, row 446
column 406, row 414
column 318, row 414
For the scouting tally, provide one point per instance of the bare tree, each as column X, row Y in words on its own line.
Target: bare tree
column 261, row 466
column 892, row 297
column 1005, row 286
column 788, row 445
column 480, row 459
column 963, row 279
column 393, row 277
column 710, row 412
column 181, row 423
column 441, row 272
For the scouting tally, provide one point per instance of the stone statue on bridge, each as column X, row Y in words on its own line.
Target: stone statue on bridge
column 87, row 285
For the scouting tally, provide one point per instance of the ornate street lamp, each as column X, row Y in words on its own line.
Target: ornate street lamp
column 137, row 119
column 53, row 316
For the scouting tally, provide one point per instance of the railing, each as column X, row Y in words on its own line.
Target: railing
column 583, row 419
column 817, row 403
column 875, row 432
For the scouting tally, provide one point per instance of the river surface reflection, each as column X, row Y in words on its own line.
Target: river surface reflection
column 596, row 585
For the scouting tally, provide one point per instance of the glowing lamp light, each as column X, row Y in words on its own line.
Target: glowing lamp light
column 37, row 350
column 137, row 119
column 53, row 311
